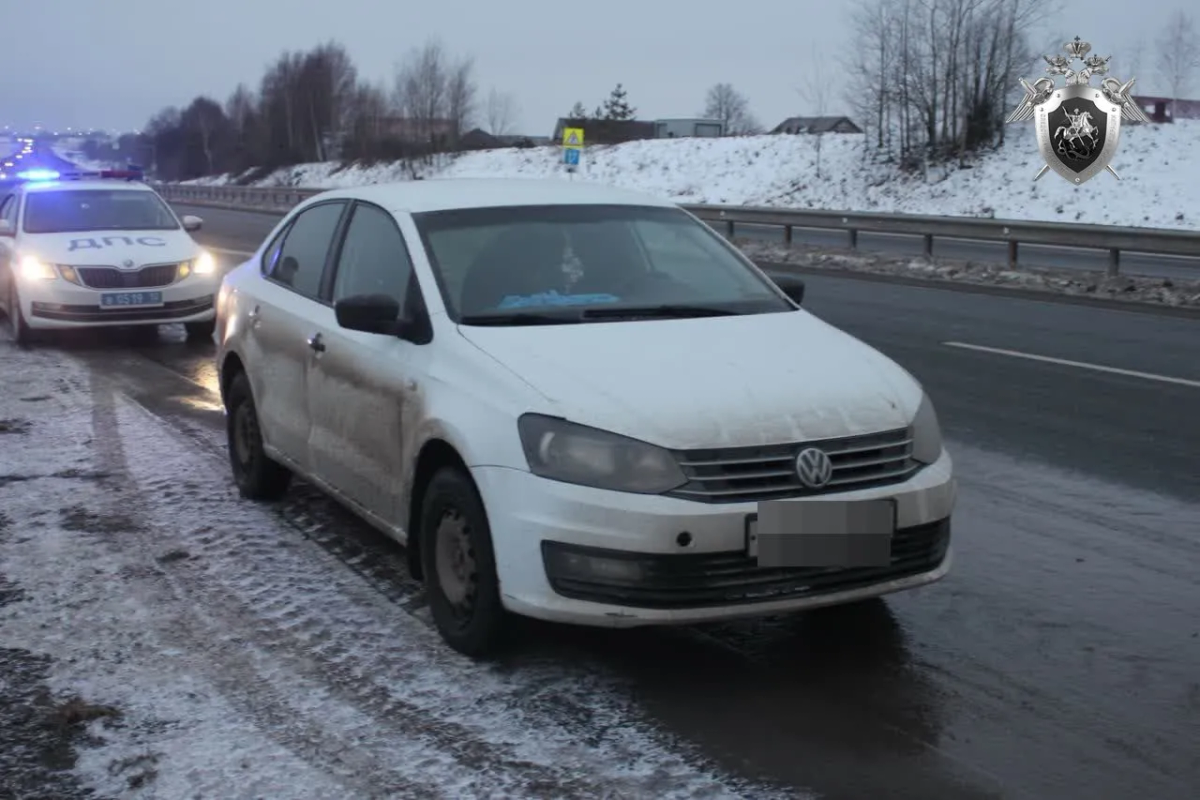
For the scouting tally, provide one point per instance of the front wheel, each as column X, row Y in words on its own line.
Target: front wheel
column 460, row 566
column 17, row 326
column 256, row 475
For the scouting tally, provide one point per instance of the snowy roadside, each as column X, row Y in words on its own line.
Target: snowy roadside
column 212, row 651
column 1122, row 288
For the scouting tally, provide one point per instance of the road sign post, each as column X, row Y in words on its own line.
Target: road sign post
column 572, row 148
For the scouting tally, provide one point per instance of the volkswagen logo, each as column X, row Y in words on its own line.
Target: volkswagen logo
column 814, row 467
column 127, row 263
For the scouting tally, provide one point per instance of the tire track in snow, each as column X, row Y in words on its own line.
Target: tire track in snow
column 227, row 660
column 276, row 594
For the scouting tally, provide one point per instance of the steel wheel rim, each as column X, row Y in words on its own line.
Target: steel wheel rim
column 454, row 560
column 244, row 434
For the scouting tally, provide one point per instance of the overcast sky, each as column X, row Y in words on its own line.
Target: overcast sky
column 113, row 63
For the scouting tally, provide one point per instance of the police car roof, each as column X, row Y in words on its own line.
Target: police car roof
column 93, row 183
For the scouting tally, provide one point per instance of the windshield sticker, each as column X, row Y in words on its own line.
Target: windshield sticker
column 553, row 298
column 110, row 241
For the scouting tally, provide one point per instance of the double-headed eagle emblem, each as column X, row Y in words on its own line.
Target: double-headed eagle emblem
column 1077, row 124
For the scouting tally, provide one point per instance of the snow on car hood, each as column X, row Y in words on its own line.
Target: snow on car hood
column 714, row 382
column 110, row 248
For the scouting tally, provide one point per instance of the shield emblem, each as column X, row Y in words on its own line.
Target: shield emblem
column 1077, row 132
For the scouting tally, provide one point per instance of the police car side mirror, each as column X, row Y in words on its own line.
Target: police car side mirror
column 191, row 223
column 792, row 286
column 6, row 228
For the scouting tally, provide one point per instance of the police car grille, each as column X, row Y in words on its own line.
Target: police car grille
column 145, row 278
column 745, row 474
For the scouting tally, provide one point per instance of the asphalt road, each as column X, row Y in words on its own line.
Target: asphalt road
column 1061, row 658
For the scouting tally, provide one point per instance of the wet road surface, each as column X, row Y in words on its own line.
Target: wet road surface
column 1061, row 657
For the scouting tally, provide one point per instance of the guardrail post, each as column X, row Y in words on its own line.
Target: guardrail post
column 1114, row 262
column 787, row 235
column 1012, row 254
column 929, row 245
column 729, row 229
column 852, row 235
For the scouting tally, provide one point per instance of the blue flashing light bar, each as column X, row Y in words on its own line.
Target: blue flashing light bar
column 133, row 174
column 38, row 175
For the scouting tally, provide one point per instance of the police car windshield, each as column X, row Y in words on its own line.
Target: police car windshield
column 71, row 210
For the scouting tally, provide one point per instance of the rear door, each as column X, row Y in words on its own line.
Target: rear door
column 280, row 319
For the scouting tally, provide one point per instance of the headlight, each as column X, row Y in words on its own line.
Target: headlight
column 927, row 434
column 34, row 269
column 204, row 264
column 563, row 451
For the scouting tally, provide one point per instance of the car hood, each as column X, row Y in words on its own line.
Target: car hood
column 714, row 382
column 110, row 248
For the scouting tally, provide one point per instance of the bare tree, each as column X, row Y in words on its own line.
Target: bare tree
column 461, row 93
column 731, row 107
column 815, row 93
column 501, row 109
column 1178, row 55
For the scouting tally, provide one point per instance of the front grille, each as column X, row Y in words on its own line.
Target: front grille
column 746, row 474
column 699, row 580
column 145, row 278
column 167, row 311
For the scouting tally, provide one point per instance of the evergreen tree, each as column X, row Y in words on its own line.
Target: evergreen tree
column 616, row 107
column 577, row 111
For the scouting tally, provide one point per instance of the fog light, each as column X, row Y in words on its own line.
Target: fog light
column 593, row 566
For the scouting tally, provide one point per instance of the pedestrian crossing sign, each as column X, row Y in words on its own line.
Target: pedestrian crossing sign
column 573, row 137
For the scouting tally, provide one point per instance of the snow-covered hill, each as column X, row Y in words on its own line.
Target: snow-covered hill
column 1159, row 167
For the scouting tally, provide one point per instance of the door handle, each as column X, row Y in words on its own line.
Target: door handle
column 252, row 314
column 316, row 343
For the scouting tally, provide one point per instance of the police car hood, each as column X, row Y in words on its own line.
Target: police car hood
column 128, row 249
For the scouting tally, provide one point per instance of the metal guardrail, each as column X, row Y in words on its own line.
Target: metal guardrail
column 1116, row 240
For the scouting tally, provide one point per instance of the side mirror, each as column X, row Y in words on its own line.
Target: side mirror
column 792, row 286
column 369, row 313
column 6, row 228
column 191, row 223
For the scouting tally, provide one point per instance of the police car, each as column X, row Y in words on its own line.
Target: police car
column 90, row 249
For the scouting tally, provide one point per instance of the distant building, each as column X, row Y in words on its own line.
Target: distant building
column 1165, row 109
column 414, row 131
column 605, row 131
column 688, row 127
column 811, row 125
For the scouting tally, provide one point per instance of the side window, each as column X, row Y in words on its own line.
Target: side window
column 374, row 259
column 301, row 259
column 270, row 257
column 8, row 209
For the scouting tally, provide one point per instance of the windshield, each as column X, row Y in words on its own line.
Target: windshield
column 575, row 263
column 96, row 210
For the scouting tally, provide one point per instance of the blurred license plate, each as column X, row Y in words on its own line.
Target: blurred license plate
column 126, row 299
column 822, row 533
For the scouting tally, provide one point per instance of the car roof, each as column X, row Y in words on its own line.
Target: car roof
column 107, row 183
column 441, row 194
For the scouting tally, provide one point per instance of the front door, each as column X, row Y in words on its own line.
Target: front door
column 365, row 388
column 281, row 319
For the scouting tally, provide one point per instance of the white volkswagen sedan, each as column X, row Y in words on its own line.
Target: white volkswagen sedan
column 577, row 404
column 99, row 249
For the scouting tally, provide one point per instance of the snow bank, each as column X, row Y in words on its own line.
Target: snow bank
column 1159, row 167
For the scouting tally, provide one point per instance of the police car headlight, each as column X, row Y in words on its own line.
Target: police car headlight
column 926, row 433
column 204, row 264
column 34, row 269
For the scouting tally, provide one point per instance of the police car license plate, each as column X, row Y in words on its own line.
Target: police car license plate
column 127, row 299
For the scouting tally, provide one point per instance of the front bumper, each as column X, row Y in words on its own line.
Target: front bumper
column 572, row 554
column 58, row 304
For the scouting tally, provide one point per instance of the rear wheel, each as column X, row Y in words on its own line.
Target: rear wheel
column 459, row 566
column 256, row 475
column 200, row 330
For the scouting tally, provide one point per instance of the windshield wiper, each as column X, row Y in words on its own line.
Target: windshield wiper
column 519, row 318
column 662, row 311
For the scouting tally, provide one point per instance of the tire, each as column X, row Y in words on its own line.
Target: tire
column 200, row 330
column 18, row 328
column 452, row 514
column 256, row 475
